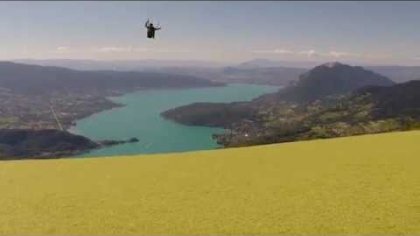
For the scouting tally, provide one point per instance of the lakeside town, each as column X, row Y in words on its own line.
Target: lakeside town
column 48, row 111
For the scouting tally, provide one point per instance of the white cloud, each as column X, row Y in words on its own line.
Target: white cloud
column 114, row 49
column 338, row 54
column 62, row 49
column 274, row 51
column 140, row 49
column 417, row 58
column 309, row 53
column 171, row 50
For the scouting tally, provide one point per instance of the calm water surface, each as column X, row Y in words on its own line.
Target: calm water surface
column 140, row 117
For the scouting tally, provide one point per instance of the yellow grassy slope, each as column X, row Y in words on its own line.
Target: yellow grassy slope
column 361, row 185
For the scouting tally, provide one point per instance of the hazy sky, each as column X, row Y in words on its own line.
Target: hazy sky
column 372, row 32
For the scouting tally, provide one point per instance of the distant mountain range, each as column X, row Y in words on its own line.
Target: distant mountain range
column 214, row 71
column 120, row 65
column 257, row 71
column 38, row 79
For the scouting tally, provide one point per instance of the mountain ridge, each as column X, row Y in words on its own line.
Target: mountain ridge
column 306, row 110
column 34, row 78
column 332, row 78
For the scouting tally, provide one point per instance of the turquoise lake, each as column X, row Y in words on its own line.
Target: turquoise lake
column 140, row 117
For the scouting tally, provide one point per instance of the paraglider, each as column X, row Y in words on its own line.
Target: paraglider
column 151, row 29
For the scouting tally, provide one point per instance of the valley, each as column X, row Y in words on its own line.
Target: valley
column 330, row 100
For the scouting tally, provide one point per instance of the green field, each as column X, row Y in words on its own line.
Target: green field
column 357, row 185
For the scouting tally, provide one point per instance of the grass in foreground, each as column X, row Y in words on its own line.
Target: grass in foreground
column 358, row 185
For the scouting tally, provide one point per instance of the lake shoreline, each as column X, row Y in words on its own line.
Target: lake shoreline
column 71, row 128
column 140, row 116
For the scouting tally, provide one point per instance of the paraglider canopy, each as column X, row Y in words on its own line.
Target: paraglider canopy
column 151, row 29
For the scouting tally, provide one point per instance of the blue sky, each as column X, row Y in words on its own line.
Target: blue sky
column 368, row 32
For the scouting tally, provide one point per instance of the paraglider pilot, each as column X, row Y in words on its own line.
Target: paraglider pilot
column 151, row 30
